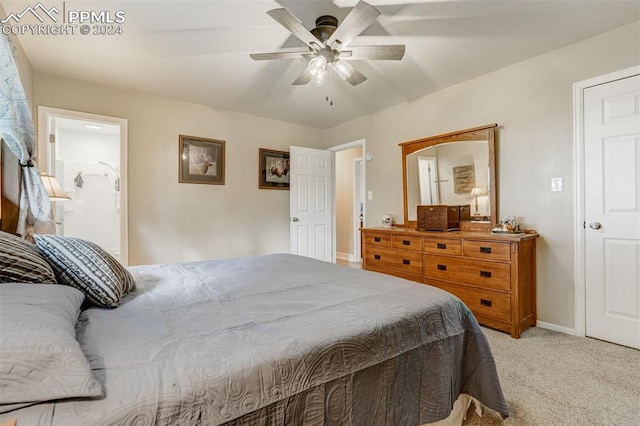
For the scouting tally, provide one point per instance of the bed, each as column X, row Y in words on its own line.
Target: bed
column 271, row 340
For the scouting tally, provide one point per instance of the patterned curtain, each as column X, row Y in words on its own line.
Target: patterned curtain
column 16, row 129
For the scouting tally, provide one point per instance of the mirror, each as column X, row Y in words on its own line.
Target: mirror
column 455, row 168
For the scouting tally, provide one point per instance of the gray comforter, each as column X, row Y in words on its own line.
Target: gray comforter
column 277, row 340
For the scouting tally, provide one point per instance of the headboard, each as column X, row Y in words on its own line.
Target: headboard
column 9, row 189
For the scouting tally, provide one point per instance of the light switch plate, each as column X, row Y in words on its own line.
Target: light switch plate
column 556, row 184
column 369, row 195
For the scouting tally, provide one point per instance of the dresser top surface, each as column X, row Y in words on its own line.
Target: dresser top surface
column 453, row 234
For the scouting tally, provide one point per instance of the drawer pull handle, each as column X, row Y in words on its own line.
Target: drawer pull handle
column 485, row 302
column 485, row 249
column 377, row 239
column 406, row 242
column 376, row 256
column 441, row 246
column 486, row 274
column 406, row 262
column 442, row 267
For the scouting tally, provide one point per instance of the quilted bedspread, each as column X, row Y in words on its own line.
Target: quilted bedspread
column 277, row 340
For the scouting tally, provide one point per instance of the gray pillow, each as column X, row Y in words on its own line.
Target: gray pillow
column 40, row 359
column 20, row 261
column 87, row 267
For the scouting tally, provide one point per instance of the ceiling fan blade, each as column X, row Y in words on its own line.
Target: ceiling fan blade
column 394, row 52
column 360, row 17
column 278, row 55
column 304, row 78
column 356, row 78
column 291, row 23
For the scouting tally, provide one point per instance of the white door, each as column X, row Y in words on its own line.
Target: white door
column 310, row 206
column 612, row 211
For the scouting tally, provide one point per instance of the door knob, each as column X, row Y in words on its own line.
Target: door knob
column 595, row 225
column 295, row 219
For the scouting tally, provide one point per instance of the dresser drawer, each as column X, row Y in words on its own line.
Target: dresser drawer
column 406, row 243
column 442, row 246
column 399, row 274
column 399, row 260
column 379, row 240
column 491, row 304
column 483, row 274
column 489, row 250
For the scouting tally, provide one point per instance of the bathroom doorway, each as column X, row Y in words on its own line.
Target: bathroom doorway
column 87, row 155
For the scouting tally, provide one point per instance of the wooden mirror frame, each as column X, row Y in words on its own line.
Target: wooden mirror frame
column 474, row 134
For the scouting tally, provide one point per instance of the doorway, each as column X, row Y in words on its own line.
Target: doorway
column 316, row 185
column 87, row 155
column 607, row 141
column 349, row 213
column 428, row 180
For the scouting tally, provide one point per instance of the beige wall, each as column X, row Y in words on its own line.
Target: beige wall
column 169, row 221
column 532, row 103
column 344, row 199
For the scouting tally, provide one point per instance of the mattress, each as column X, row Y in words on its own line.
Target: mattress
column 274, row 340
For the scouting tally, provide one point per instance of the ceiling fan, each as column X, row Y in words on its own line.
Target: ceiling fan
column 327, row 45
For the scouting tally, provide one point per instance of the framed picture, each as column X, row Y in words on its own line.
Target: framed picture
column 200, row 160
column 273, row 169
column 464, row 179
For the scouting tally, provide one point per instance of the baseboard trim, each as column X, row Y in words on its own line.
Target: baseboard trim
column 347, row 257
column 555, row 327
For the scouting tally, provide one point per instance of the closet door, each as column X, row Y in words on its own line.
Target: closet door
column 612, row 211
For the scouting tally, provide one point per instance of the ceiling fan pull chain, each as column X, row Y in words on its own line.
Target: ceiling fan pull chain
column 329, row 100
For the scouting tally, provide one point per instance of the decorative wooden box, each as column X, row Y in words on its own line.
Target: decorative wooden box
column 438, row 218
column 465, row 212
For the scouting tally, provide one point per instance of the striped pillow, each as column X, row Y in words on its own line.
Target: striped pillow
column 20, row 261
column 87, row 267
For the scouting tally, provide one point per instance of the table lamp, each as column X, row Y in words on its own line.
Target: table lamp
column 53, row 188
column 474, row 193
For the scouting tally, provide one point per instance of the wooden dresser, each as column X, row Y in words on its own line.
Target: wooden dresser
column 494, row 275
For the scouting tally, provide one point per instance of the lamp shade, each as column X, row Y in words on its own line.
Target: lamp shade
column 53, row 188
column 476, row 191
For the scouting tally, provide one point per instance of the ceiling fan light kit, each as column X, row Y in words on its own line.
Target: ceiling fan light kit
column 320, row 80
column 343, row 69
column 326, row 45
column 318, row 65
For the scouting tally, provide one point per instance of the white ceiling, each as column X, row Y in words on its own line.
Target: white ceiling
column 85, row 126
column 198, row 51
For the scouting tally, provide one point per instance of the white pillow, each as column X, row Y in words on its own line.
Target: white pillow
column 40, row 359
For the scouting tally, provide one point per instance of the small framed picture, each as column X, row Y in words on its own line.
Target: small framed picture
column 273, row 169
column 200, row 160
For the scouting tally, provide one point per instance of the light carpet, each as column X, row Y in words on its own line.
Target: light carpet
column 552, row 378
